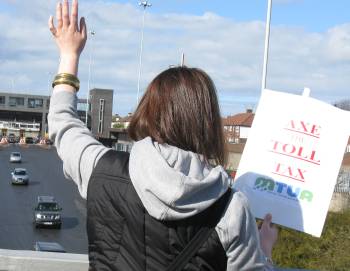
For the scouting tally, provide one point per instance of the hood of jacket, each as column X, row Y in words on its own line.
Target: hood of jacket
column 173, row 183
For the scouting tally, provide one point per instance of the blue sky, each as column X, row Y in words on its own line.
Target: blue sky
column 309, row 47
column 313, row 15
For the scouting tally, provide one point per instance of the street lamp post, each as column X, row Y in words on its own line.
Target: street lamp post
column 144, row 4
column 267, row 41
column 92, row 33
column 49, row 86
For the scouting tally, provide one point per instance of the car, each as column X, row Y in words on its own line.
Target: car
column 15, row 157
column 48, row 141
column 11, row 138
column 47, row 212
column 29, row 140
column 19, row 176
column 49, row 247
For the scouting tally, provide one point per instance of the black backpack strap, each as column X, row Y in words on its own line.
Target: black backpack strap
column 201, row 236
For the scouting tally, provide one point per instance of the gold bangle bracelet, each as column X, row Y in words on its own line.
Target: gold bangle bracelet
column 66, row 75
column 66, row 82
column 68, row 79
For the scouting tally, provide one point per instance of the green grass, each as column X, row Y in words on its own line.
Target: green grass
column 331, row 252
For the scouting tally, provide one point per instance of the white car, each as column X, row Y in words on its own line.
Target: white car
column 15, row 157
column 49, row 247
column 20, row 176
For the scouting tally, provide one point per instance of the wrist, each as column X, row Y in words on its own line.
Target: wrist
column 266, row 245
column 69, row 64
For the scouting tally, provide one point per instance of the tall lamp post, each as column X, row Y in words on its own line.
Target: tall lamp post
column 144, row 4
column 92, row 33
column 49, row 86
column 267, row 41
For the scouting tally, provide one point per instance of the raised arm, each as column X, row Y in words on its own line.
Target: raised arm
column 75, row 144
column 69, row 38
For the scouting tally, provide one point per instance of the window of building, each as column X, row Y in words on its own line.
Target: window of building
column 2, row 100
column 35, row 103
column 101, row 116
column 81, row 106
column 31, row 103
column 16, row 101
column 123, row 147
column 48, row 103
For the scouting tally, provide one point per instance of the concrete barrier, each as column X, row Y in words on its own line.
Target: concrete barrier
column 25, row 260
column 340, row 202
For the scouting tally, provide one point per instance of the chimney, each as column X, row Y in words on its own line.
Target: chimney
column 249, row 110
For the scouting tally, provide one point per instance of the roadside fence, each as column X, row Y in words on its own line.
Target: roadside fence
column 343, row 182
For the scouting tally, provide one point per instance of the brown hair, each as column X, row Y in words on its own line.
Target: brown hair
column 180, row 108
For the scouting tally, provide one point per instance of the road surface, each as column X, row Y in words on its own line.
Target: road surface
column 17, row 202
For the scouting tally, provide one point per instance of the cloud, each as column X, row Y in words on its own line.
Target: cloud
column 231, row 52
column 338, row 43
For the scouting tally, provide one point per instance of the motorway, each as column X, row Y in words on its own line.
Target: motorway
column 17, row 202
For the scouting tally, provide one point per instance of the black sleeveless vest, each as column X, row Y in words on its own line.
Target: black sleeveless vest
column 124, row 237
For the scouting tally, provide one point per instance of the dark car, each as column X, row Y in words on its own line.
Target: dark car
column 29, row 140
column 48, row 141
column 49, row 247
column 11, row 138
column 47, row 212
column 36, row 140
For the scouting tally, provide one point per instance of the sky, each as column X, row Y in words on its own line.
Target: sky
column 309, row 47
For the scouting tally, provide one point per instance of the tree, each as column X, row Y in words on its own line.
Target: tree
column 343, row 104
column 118, row 125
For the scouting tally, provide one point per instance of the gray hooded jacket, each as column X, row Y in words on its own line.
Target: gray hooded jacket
column 192, row 187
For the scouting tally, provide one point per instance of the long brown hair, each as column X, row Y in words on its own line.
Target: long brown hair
column 180, row 108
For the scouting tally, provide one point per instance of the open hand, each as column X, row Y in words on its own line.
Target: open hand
column 69, row 37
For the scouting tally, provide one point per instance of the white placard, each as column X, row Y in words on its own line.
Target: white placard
column 292, row 158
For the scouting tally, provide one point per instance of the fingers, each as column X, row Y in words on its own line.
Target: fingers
column 59, row 15
column 268, row 218
column 64, row 20
column 83, row 29
column 267, row 221
column 74, row 15
column 65, row 13
column 51, row 26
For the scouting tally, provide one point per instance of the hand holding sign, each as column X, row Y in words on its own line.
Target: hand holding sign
column 291, row 161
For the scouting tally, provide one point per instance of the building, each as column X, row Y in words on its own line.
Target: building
column 121, row 122
column 119, row 133
column 81, row 109
column 237, row 127
column 121, row 140
column 116, row 121
column 100, row 112
column 23, row 114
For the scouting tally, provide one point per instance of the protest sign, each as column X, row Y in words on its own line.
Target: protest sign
column 292, row 158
